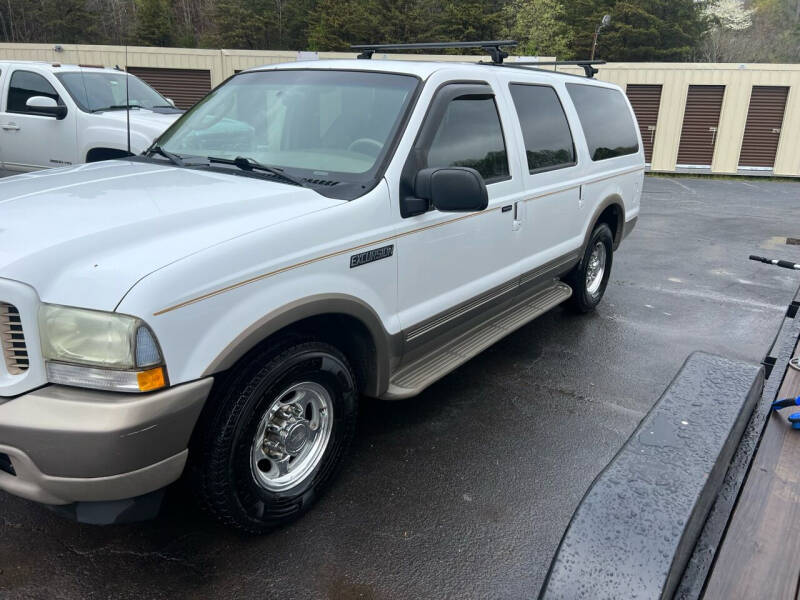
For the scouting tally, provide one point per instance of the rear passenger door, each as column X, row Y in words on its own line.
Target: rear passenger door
column 448, row 259
column 550, row 218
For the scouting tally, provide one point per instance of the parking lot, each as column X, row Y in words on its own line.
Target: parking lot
column 466, row 490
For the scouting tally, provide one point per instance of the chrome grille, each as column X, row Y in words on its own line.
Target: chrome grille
column 12, row 339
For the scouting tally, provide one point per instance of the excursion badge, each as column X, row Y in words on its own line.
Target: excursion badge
column 362, row 258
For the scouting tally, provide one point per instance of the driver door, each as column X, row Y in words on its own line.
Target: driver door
column 451, row 265
column 32, row 140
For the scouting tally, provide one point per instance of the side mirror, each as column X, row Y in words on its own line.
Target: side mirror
column 44, row 105
column 171, row 101
column 452, row 189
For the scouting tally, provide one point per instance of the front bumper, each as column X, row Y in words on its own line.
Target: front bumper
column 69, row 445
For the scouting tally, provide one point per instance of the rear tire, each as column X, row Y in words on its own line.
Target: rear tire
column 590, row 277
column 273, row 437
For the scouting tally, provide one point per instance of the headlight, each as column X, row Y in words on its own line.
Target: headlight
column 95, row 349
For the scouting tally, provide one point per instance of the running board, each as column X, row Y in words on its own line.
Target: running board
column 411, row 379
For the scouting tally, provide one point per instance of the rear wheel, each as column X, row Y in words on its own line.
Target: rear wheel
column 273, row 438
column 589, row 279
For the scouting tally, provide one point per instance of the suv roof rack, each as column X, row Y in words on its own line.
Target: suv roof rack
column 492, row 47
column 587, row 65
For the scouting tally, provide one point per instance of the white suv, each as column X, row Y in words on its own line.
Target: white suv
column 57, row 115
column 307, row 234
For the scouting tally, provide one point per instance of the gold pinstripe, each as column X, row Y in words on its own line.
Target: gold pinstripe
column 359, row 247
column 317, row 259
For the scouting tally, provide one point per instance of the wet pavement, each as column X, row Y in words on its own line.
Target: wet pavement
column 465, row 491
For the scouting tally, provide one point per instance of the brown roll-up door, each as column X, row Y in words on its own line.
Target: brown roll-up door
column 646, row 100
column 763, row 128
column 184, row 86
column 700, row 122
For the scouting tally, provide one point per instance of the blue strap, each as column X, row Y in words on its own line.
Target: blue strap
column 785, row 403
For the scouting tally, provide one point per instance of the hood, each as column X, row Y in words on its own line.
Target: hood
column 83, row 236
column 150, row 123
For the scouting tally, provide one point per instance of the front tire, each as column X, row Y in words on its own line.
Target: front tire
column 274, row 436
column 589, row 279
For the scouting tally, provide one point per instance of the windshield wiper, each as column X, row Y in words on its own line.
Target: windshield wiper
column 116, row 107
column 173, row 158
column 248, row 164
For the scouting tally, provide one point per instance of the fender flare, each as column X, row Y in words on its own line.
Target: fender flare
column 611, row 200
column 387, row 347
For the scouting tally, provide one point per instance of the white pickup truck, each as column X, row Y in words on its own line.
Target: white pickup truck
column 307, row 234
column 55, row 115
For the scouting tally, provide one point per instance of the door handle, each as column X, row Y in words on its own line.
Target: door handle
column 11, row 127
column 516, row 224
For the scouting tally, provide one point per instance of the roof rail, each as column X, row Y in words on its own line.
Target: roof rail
column 493, row 48
column 587, row 65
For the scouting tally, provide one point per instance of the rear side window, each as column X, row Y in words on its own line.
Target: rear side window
column 24, row 85
column 606, row 121
column 548, row 140
column 470, row 135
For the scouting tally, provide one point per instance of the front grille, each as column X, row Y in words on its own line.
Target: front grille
column 12, row 339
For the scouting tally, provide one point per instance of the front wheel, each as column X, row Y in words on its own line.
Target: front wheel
column 275, row 435
column 589, row 279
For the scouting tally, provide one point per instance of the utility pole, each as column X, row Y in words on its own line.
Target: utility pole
column 604, row 23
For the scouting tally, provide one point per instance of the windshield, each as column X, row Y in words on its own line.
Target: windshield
column 96, row 91
column 333, row 124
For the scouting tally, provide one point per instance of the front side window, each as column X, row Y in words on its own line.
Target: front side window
column 545, row 130
column 606, row 120
column 321, row 123
column 25, row 85
column 470, row 135
column 99, row 91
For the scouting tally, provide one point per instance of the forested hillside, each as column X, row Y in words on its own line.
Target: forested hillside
column 669, row 30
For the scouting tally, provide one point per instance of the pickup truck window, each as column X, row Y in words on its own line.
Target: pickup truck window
column 24, row 85
column 470, row 135
column 326, row 124
column 548, row 139
column 99, row 91
column 606, row 121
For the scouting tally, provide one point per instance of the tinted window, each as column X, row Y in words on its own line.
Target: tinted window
column 548, row 141
column 470, row 135
column 24, row 85
column 606, row 121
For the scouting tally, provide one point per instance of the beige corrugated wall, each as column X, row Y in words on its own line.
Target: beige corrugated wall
column 675, row 78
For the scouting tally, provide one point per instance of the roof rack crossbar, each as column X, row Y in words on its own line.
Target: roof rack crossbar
column 493, row 47
column 587, row 65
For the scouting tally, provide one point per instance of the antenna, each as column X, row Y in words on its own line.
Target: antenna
column 127, row 101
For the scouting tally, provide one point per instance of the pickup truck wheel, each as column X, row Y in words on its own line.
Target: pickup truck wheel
column 275, row 436
column 590, row 278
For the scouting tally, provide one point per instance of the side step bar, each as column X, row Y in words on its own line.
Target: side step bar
column 411, row 379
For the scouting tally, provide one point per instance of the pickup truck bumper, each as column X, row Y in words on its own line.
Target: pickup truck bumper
column 61, row 445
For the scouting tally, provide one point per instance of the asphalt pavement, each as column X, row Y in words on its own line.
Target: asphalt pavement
column 465, row 491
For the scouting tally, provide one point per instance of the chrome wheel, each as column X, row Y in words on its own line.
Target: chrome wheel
column 596, row 268
column 292, row 436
